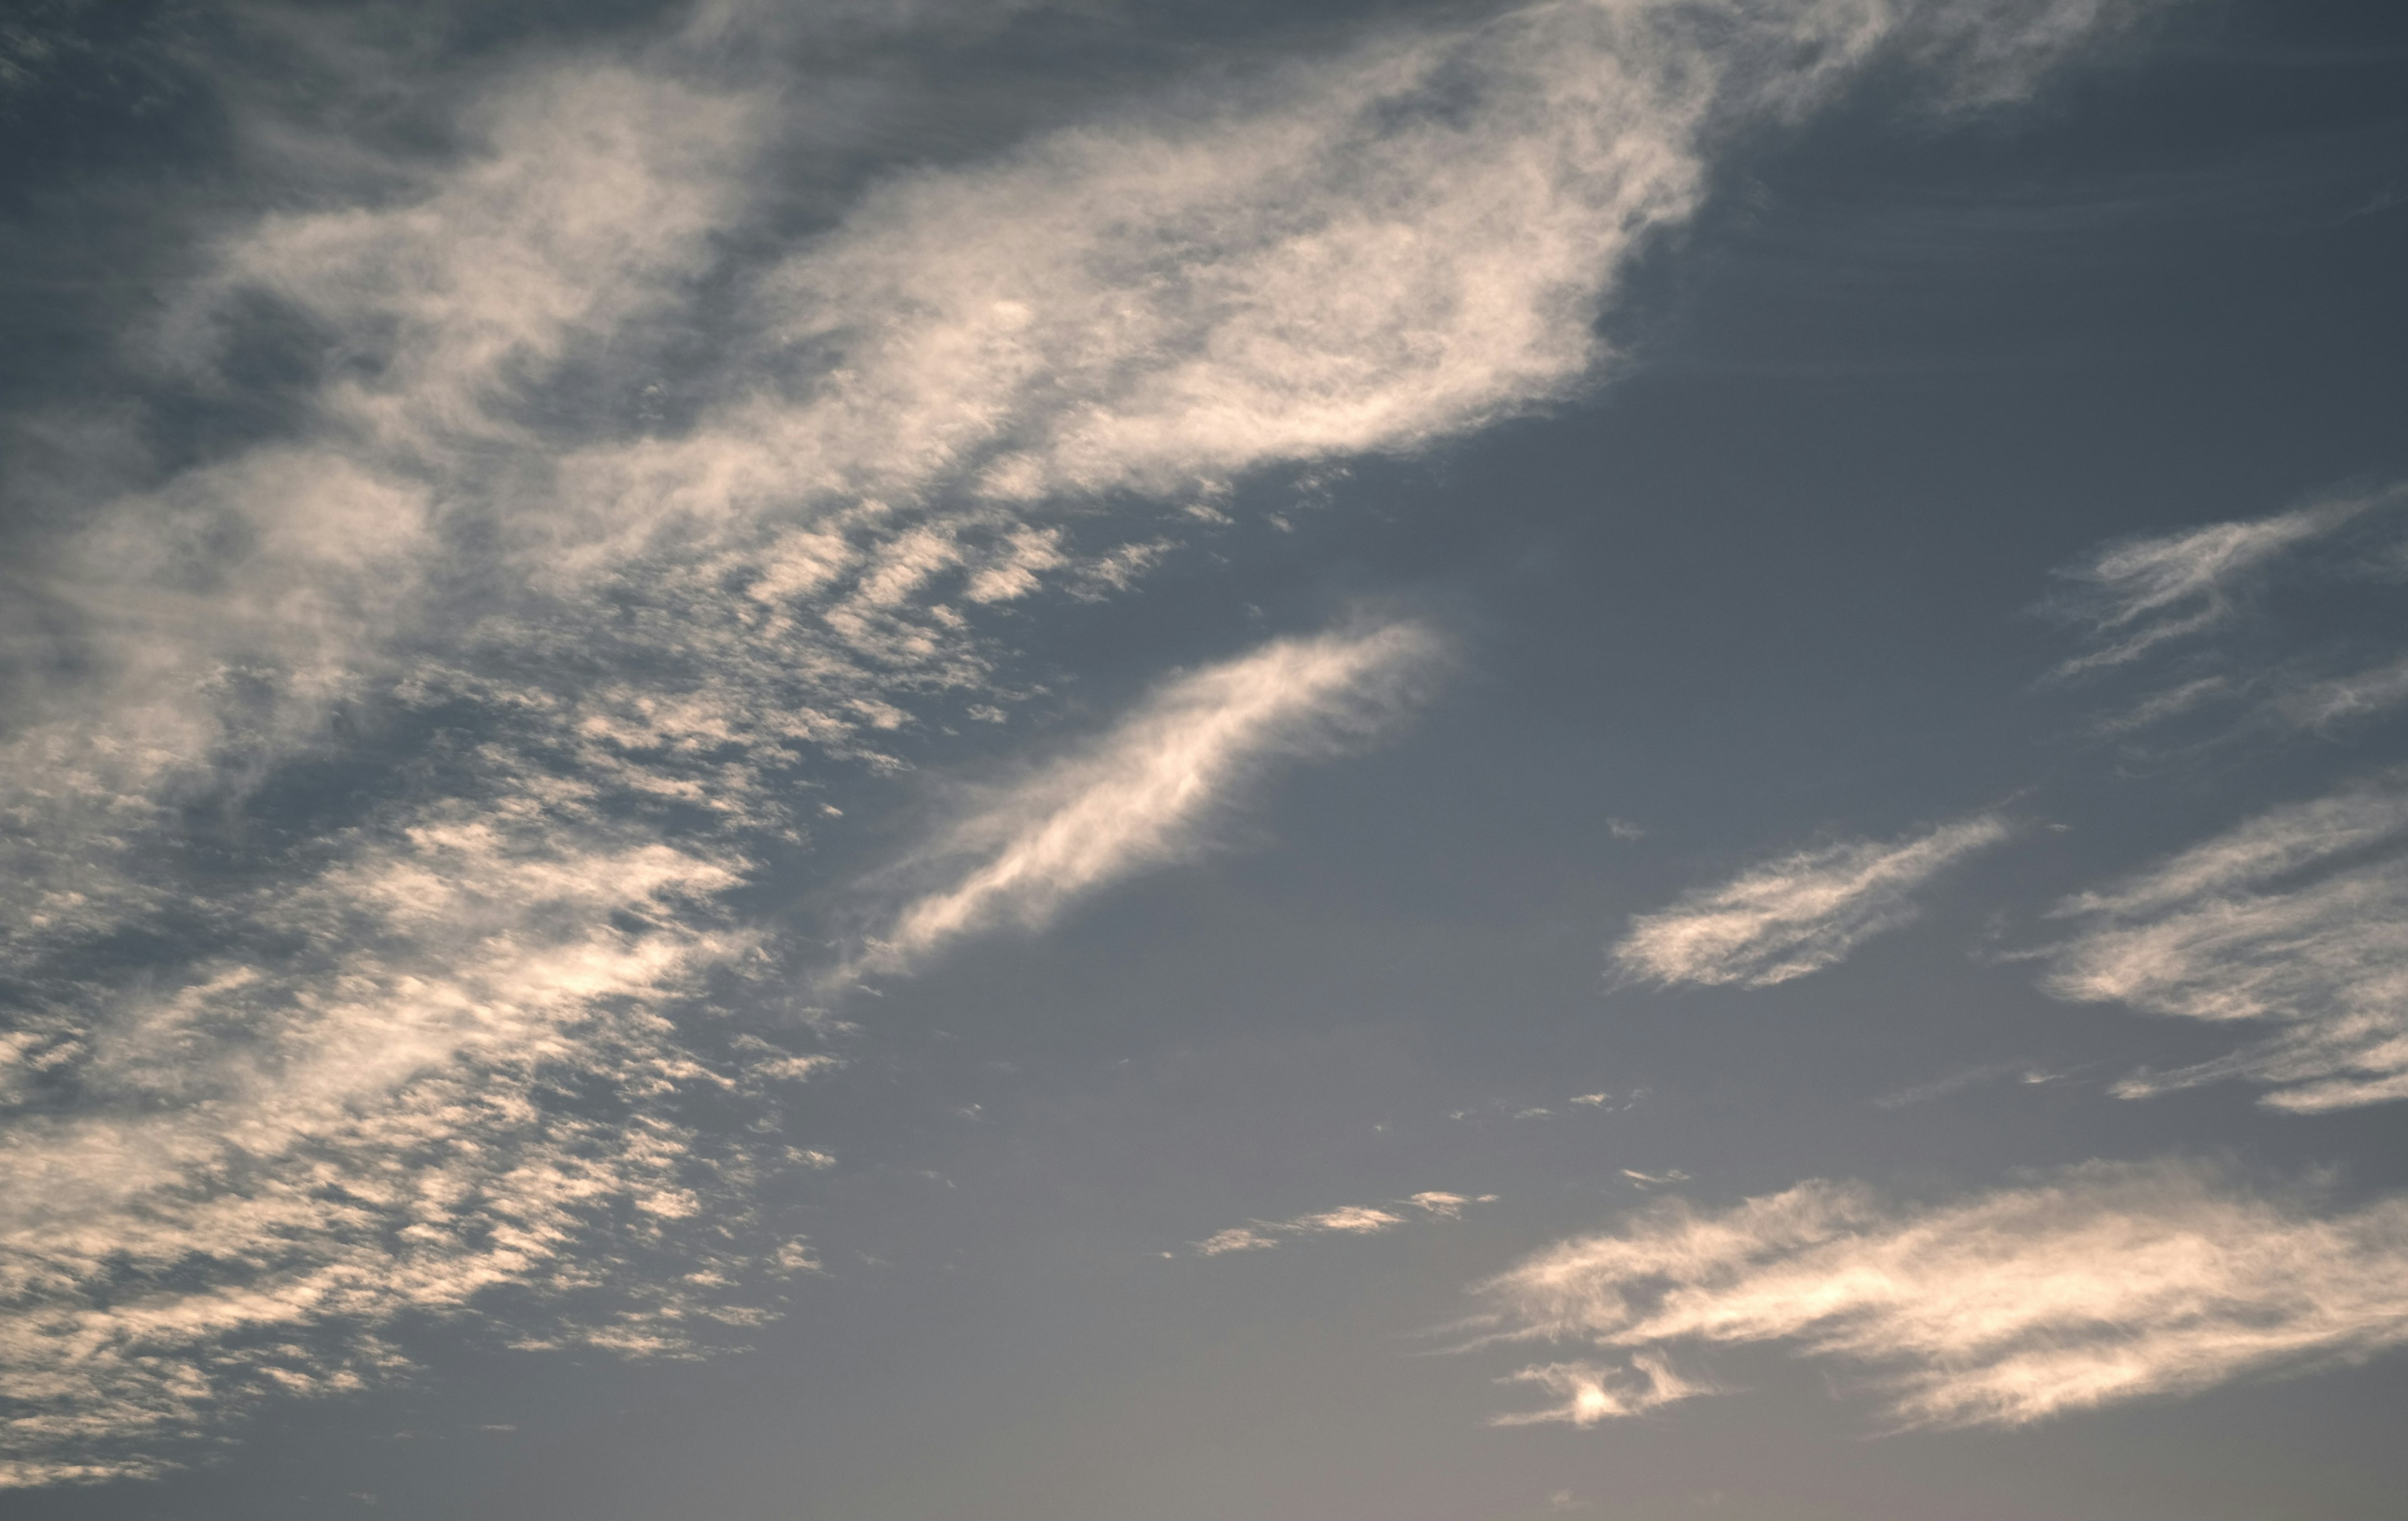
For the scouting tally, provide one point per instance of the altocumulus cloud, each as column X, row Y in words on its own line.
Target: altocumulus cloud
column 1797, row 914
column 432, row 1051
column 2107, row 1281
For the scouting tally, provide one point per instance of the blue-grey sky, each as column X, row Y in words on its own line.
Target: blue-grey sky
column 1114, row 762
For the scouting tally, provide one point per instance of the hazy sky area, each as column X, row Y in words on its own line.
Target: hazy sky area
column 1389, row 760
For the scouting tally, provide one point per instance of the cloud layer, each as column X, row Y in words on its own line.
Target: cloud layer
column 2109, row 1282
column 377, row 788
column 1797, row 914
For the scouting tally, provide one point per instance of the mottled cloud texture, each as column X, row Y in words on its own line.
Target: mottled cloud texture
column 2297, row 919
column 1795, row 914
column 2108, row 1282
column 378, row 794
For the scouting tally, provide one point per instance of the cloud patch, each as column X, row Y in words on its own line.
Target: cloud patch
column 2298, row 918
column 1797, row 914
column 2106, row 1283
column 1138, row 797
column 1353, row 1220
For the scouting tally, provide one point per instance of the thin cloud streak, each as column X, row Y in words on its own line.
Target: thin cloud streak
column 1797, row 914
column 2107, row 1283
column 2131, row 597
column 2243, row 929
column 1352, row 1220
column 1140, row 796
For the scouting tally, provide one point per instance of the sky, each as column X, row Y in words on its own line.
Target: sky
column 1102, row 761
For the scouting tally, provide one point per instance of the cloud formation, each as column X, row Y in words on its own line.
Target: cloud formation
column 2131, row 597
column 1353, row 1220
column 599, row 525
column 1797, row 914
column 1139, row 795
column 2298, row 918
column 2106, row 1283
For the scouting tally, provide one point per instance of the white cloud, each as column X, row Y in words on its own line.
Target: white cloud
column 337, row 1098
column 1136, row 797
column 2105, row 1282
column 442, row 1066
column 1797, row 914
column 1352, row 1220
column 2133, row 596
column 2282, row 920
column 2333, row 701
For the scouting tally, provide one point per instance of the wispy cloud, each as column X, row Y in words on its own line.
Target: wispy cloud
column 600, row 523
column 1353, row 1220
column 442, row 1067
column 1963, row 1077
column 2108, row 1282
column 2284, row 919
column 1799, row 914
column 1139, row 795
column 2130, row 597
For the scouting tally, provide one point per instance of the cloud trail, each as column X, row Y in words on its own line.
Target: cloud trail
column 1353, row 1220
column 2131, row 597
column 1140, row 797
column 2282, row 920
column 1797, row 914
column 2106, row 1283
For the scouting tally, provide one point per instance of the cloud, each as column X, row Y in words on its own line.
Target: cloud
column 2132, row 596
column 1963, row 1077
column 1353, row 1220
column 601, row 525
column 2282, row 920
column 2328, row 704
column 1138, row 797
column 442, row 1067
column 1797, row 914
column 2105, row 1282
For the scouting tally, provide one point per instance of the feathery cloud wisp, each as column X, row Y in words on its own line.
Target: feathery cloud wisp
column 2229, row 930
column 1352, row 1220
column 1797, row 914
column 2109, row 1282
column 1139, row 795
column 2132, row 596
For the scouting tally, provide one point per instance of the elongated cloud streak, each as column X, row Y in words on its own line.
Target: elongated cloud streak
column 2108, row 1282
column 1797, row 914
column 1140, row 796
column 1353, row 1220
column 2284, row 921
column 2131, row 597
